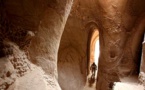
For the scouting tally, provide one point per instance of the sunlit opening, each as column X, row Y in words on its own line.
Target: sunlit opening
column 94, row 51
column 93, row 58
column 97, row 52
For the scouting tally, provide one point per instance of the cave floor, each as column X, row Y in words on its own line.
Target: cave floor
column 89, row 86
column 129, row 83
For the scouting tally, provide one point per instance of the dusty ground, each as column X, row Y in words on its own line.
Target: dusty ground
column 128, row 83
column 128, row 86
column 89, row 86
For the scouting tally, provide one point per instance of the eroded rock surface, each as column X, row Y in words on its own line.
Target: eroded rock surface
column 17, row 72
column 121, row 33
column 31, row 32
column 121, row 29
column 36, row 27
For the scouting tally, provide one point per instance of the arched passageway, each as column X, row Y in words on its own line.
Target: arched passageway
column 36, row 26
column 94, row 48
column 93, row 57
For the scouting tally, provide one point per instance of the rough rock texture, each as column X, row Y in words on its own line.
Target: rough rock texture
column 121, row 28
column 44, row 47
column 121, row 25
column 14, row 64
column 72, row 56
column 36, row 27
column 17, row 72
column 142, row 78
column 20, row 20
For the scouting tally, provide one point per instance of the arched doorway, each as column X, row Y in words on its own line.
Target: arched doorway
column 93, row 55
column 94, row 48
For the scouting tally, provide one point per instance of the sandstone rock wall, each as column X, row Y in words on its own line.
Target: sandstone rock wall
column 120, row 24
column 72, row 56
column 142, row 69
column 121, row 31
column 142, row 66
column 36, row 27
column 15, row 66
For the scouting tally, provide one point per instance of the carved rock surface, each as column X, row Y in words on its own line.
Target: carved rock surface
column 59, row 44
column 35, row 26
column 17, row 72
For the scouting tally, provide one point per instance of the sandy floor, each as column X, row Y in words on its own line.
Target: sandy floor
column 128, row 86
column 127, row 83
column 87, row 86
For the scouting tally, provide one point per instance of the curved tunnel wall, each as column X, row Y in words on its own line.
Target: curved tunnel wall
column 121, row 23
column 72, row 57
column 43, row 18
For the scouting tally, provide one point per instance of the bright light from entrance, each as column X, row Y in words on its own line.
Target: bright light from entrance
column 97, row 51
